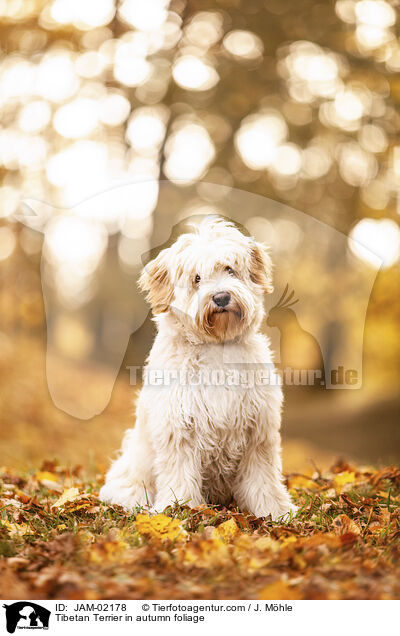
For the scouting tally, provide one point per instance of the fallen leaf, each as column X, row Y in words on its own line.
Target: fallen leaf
column 287, row 541
column 52, row 485
column 205, row 510
column 267, row 543
column 107, row 551
column 45, row 474
column 342, row 524
column 68, row 495
column 18, row 529
column 279, row 591
column 342, row 479
column 206, row 553
column 23, row 497
column 227, row 530
column 390, row 472
column 160, row 527
column 299, row 482
column 82, row 503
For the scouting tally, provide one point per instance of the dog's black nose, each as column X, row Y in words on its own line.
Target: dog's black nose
column 222, row 299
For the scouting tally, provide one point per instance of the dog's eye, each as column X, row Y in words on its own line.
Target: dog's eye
column 230, row 271
column 197, row 279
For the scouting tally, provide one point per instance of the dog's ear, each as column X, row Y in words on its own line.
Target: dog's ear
column 155, row 280
column 261, row 267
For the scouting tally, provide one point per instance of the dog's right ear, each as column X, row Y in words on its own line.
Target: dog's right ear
column 155, row 280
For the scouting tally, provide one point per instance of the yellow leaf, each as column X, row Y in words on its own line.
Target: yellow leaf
column 87, row 537
column 257, row 562
column 18, row 529
column 299, row 482
column 227, row 530
column 160, row 527
column 45, row 474
column 279, row 591
column 254, row 552
column 266, row 543
column 48, row 480
column 242, row 547
column 287, row 541
column 107, row 551
column 344, row 478
column 206, row 553
column 68, row 495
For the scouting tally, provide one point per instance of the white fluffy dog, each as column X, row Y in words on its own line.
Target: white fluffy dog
column 196, row 439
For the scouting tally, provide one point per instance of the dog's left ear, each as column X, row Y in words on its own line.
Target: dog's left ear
column 261, row 267
column 155, row 280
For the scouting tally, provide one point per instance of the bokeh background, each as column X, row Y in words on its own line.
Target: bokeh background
column 120, row 119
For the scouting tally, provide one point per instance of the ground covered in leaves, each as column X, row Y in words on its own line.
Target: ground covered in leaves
column 58, row 541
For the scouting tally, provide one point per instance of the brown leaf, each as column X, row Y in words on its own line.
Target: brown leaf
column 390, row 472
column 341, row 466
column 348, row 538
column 344, row 525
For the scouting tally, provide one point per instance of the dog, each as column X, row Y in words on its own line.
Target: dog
column 203, row 441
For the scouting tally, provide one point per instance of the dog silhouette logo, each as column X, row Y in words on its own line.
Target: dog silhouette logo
column 299, row 349
column 26, row 615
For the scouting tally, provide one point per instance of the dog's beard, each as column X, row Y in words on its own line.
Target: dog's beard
column 222, row 323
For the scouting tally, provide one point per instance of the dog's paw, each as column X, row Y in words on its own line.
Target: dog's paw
column 129, row 497
column 283, row 512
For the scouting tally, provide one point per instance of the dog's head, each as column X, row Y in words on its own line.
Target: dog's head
column 212, row 281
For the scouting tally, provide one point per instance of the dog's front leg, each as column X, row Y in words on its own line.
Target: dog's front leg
column 178, row 474
column 130, row 480
column 258, row 486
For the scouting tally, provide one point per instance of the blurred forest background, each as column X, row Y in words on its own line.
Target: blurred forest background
column 195, row 104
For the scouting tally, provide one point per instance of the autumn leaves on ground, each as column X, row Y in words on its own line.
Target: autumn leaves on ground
column 57, row 540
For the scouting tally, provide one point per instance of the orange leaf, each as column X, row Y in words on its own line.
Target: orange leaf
column 279, row 591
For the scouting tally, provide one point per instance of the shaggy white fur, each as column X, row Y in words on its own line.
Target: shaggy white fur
column 198, row 439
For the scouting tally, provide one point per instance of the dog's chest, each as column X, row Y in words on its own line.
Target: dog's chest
column 208, row 404
column 217, row 411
